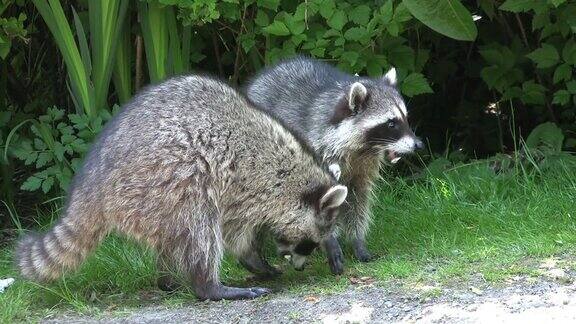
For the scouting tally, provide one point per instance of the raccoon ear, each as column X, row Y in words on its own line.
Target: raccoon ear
column 356, row 96
column 335, row 170
column 390, row 77
column 334, row 197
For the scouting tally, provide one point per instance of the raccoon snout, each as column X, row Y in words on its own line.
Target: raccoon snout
column 418, row 144
column 298, row 261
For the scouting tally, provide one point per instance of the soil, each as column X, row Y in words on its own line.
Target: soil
column 521, row 299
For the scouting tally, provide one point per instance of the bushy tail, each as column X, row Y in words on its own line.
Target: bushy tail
column 45, row 257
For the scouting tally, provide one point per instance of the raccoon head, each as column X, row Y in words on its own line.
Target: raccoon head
column 373, row 115
column 318, row 213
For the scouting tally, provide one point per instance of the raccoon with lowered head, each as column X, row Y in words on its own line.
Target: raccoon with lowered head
column 350, row 120
column 190, row 168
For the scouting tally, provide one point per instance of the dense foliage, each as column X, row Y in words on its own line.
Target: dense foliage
column 478, row 75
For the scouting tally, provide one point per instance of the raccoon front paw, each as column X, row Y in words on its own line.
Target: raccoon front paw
column 260, row 268
column 364, row 257
column 336, row 263
column 361, row 252
column 335, row 255
column 271, row 272
column 167, row 283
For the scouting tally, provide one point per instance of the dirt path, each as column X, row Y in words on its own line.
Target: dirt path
column 522, row 300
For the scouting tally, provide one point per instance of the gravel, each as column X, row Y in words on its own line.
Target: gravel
column 520, row 300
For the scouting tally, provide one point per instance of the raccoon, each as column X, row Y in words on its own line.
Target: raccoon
column 350, row 120
column 190, row 168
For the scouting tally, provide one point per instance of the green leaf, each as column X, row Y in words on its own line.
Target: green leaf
column 561, row 97
column 373, row 68
column 415, row 84
column 350, row 57
column 402, row 56
column 386, row 11
column 393, row 28
column 338, row 20
column 298, row 39
column 540, row 20
column 31, row 158
column 277, row 28
column 31, row 184
column 402, row 14
column 318, row 52
column 355, row 33
column 545, row 57
column 518, row 5
column 571, row 86
column 563, row 72
column 295, row 26
column 247, row 41
column 5, row 117
column 327, row 9
column 488, row 6
column 5, row 48
column 447, row 17
column 569, row 52
column 512, row 93
column 59, row 151
column 262, row 19
column 533, row 93
column 39, row 144
column 360, row 15
column 548, row 135
column 270, row 4
column 43, row 158
column 47, row 184
column 340, row 41
column 557, row 3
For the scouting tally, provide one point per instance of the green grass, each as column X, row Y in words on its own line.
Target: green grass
column 442, row 227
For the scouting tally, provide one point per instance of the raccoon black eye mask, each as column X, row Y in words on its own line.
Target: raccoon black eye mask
column 393, row 133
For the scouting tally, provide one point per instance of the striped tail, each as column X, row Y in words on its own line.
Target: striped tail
column 46, row 257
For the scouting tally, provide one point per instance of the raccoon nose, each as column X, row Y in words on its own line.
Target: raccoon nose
column 418, row 144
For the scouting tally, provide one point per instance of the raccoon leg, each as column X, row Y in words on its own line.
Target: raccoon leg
column 253, row 260
column 334, row 253
column 256, row 264
column 198, row 249
column 166, row 280
column 357, row 218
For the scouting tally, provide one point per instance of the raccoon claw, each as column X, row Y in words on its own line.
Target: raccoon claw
column 260, row 291
column 336, row 264
column 361, row 252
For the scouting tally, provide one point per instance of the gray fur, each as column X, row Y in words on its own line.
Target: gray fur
column 344, row 118
column 190, row 168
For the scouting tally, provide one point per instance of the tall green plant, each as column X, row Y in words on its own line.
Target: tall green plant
column 106, row 22
column 122, row 74
column 167, row 48
column 89, row 69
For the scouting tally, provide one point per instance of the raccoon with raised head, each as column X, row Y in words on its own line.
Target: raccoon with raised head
column 351, row 120
column 191, row 168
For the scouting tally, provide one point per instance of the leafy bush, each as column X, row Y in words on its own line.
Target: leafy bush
column 479, row 76
column 57, row 147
